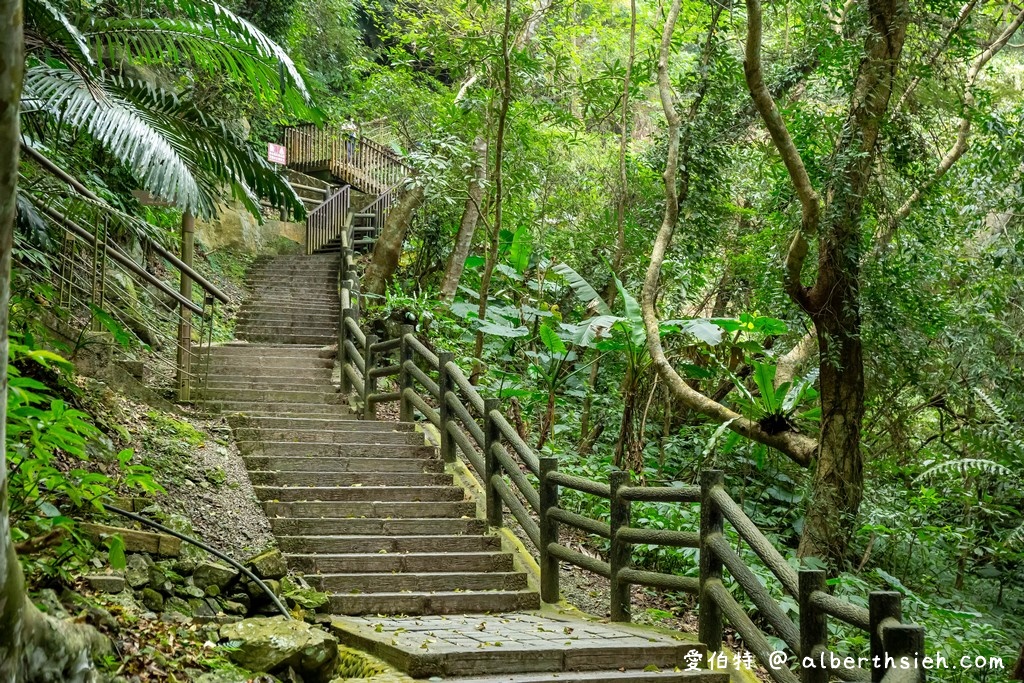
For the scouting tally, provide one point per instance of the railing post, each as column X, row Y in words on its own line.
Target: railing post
column 369, row 381
column 813, row 625
column 549, row 591
column 491, row 467
column 444, row 384
column 346, row 383
column 188, row 227
column 906, row 641
column 882, row 605
column 619, row 557
column 709, row 629
column 404, row 378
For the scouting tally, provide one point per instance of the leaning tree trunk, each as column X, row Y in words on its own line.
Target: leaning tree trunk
column 467, row 228
column 388, row 248
column 33, row 646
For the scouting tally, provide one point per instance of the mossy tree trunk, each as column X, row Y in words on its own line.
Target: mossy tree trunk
column 33, row 646
column 388, row 248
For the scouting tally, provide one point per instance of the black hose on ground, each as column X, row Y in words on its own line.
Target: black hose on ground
column 199, row 544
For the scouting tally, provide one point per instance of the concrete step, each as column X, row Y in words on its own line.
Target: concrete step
column 440, row 501
column 291, row 428
column 280, row 409
column 240, row 366
column 269, row 350
column 286, row 338
column 225, row 382
column 364, row 448
column 320, row 501
column 334, row 545
column 295, row 329
column 313, row 464
column 260, row 463
column 468, row 602
column 533, row 643
column 380, row 527
column 419, row 582
column 616, row 676
column 275, row 308
column 249, row 316
column 239, row 372
column 329, row 435
column 343, row 479
column 409, row 562
column 271, row 396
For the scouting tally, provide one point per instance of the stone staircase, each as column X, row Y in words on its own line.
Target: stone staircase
column 364, row 506
column 367, row 512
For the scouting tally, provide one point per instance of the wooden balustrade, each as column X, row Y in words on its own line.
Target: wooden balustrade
column 326, row 222
column 530, row 487
column 355, row 159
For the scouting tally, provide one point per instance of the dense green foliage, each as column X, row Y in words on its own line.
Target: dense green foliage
column 547, row 311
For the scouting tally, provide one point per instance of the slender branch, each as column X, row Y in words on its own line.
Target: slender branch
column 810, row 203
column 963, row 134
column 961, row 19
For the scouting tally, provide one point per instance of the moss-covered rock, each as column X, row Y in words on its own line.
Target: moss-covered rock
column 276, row 644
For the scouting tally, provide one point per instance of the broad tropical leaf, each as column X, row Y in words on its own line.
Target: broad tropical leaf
column 583, row 289
column 590, row 329
column 552, row 341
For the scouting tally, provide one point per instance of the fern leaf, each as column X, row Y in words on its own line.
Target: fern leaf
column 967, row 466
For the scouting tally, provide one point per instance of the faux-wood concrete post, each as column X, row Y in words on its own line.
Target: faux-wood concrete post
column 882, row 605
column 342, row 336
column 444, row 385
column 618, row 558
column 404, row 378
column 369, row 380
column 709, row 629
column 813, row 624
column 188, row 228
column 491, row 466
column 906, row 641
column 549, row 590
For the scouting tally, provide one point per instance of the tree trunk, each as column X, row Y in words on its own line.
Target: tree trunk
column 467, row 228
column 499, row 182
column 33, row 646
column 833, row 300
column 388, row 248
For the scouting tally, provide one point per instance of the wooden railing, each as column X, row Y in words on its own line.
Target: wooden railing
column 325, row 222
column 381, row 207
column 529, row 486
column 356, row 159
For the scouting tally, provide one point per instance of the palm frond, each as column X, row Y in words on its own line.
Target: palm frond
column 211, row 50
column 966, row 466
column 176, row 152
column 996, row 410
column 228, row 26
column 121, row 128
column 48, row 24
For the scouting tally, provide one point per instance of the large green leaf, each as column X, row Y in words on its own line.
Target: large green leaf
column 583, row 289
column 701, row 328
column 764, row 378
column 521, row 251
column 552, row 341
column 590, row 329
